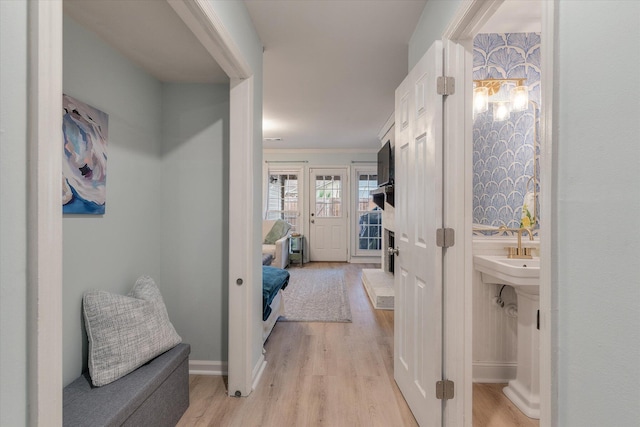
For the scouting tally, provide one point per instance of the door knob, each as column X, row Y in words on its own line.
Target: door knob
column 313, row 221
column 393, row 251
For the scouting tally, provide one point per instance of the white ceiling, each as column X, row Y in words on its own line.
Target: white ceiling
column 516, row 16
column 151, row 35
column 330, row 67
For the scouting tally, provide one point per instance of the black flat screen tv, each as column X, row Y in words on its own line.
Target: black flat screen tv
column 385, row 165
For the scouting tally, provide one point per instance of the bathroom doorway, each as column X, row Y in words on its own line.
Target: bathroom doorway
column 506, row 58
column 491, row 340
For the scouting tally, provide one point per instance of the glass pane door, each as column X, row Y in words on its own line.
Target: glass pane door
column 369, row 215
column 328, row 196
column 283, row 198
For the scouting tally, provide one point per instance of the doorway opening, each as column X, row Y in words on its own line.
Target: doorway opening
column 462, row 31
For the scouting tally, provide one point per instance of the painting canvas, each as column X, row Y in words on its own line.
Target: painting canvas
column 84, row 163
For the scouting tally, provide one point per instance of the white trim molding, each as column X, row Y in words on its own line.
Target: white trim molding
column 205, row 24
column 469, row 18
column 494, row 372
column 363, row 259
column 208, row 367
column 201, row 18
column 44, row 223
column 457, row 270
column 387, row 126
column 242, row 283
column 548, row 387
column 258, row 370
column 320, row 151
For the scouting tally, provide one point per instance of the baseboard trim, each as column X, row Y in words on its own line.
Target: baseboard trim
column 364, row 259
column 494, row 372
column 208, row 367
column 258, row 370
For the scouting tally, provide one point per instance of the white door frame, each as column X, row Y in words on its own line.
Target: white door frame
column 243, row 294
column 44, row 323
column 44, row 223
column 470, row 16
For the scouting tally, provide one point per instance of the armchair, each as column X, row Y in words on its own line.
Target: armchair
column 280, row 249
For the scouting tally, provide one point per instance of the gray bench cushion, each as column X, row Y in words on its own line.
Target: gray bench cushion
column 155, row 394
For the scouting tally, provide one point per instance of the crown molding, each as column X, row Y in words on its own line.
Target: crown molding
column 320, row 150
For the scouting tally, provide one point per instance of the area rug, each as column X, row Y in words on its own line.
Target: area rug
column 316, row 295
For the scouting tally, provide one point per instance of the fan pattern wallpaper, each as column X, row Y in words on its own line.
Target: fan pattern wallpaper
column 503, row 152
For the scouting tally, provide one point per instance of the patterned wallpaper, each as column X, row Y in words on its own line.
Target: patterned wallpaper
column 503, row 151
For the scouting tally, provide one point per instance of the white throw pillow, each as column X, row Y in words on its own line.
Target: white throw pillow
column 125, row 332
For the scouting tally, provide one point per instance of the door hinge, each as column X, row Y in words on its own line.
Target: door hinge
column 444, row 389
column 445, row 237
column 446, row 85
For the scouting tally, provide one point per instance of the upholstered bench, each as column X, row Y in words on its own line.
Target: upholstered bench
column 155, row 394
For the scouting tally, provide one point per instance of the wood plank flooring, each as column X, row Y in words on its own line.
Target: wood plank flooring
column 323, row 374
column 491, row 408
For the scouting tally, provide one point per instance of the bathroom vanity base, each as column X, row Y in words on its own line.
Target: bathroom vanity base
column 524, row 391
column 522, row 398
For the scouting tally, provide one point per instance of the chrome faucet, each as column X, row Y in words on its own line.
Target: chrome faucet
column 520, row 252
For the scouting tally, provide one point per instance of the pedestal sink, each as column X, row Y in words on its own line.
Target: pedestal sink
column 524, row 276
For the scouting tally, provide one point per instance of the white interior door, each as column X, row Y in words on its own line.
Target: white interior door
column 418, row 213
column 328, row 209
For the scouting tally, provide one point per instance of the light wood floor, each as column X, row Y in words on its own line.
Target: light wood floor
column 491, row 408
column 333, row 374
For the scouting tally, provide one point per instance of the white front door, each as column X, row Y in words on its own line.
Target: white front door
column 418, row 213
column 328, row 209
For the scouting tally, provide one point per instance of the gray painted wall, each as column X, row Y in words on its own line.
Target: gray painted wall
column 167, row 198
column 195, row 215
column 109, row 252
column 434, row 19
column 13, row 213
column 133, row 101
column 596, row 275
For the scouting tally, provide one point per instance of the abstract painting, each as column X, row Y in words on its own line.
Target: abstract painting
column 84, row 162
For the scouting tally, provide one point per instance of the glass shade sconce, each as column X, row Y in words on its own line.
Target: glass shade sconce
column 480, row 100
column 519, row 98
column 501, row 111
column 496, row 92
